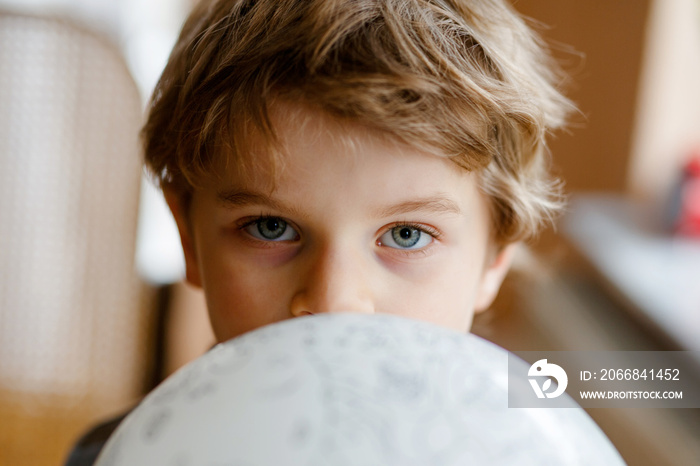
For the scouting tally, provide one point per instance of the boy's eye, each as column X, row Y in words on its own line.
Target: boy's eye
column 270, row 229
column 405, row 237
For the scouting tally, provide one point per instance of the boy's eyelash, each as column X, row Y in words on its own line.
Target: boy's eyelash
column 247, row 221
column 418, row 226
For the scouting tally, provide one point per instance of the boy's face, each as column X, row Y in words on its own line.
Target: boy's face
column 353, row 222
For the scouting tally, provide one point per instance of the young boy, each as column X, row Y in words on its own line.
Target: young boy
column 375, row 156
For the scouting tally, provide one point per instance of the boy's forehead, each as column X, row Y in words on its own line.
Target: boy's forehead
column 320, row 155
column 298, row 129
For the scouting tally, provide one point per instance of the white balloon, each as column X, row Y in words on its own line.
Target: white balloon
column 350, row 389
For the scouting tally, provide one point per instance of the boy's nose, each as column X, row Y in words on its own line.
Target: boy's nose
column 332, row 280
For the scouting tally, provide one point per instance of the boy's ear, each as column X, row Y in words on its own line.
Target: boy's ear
column 493, row 276
column 179, row 210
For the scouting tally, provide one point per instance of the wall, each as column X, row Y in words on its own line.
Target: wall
column 608, row 38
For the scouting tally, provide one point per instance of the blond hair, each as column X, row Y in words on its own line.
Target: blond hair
column 465, row 79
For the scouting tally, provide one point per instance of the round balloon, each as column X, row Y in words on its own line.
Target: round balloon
column 350, row 389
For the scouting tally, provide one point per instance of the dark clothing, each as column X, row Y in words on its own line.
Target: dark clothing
column 90, row 445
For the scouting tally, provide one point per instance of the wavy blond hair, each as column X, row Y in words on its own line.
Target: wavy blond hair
column 467, row 79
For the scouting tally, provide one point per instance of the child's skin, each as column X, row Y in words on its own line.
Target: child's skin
column 347, row 194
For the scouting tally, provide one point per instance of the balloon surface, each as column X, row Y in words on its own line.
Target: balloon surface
column 350, row 389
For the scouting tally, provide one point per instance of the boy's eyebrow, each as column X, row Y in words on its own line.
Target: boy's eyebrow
column 436, row 204
column 241, row 198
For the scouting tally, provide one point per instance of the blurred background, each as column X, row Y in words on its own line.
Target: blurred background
column 93, row 312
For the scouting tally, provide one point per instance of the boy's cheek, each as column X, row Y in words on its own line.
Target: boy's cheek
column 242, row 251
column 449, row 310
column 237, row 305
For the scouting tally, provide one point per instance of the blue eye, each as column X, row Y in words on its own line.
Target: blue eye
column 270, row 229
column 406, row 237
